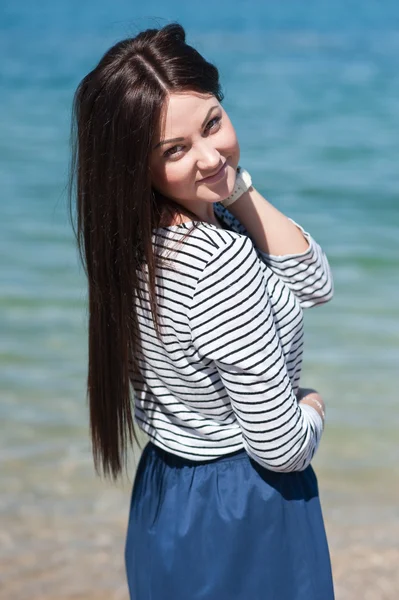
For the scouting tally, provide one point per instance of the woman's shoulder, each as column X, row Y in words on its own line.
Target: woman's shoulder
column 193, row 245
column 192, row 248
column 197, row 237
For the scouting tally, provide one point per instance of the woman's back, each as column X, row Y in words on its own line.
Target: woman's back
column 198, row 393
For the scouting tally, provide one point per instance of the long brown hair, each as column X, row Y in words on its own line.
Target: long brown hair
column 115, row 112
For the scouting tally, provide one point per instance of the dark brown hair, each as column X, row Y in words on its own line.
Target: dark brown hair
column 116, row 109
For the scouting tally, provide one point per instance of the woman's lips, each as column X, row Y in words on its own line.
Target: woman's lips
column 219, row 175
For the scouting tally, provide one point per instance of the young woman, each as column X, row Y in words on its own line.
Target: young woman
column 196, row 290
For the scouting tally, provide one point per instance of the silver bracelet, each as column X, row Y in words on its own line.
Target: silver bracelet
column 318, row 404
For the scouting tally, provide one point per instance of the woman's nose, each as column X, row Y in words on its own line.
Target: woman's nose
column 208, row 157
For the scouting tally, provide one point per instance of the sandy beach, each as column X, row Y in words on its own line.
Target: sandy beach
column 62, row 539
column 364, row 567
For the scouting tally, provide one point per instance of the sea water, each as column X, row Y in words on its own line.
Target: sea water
column 312, row 90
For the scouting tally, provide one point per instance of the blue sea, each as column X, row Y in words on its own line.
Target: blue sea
column 313, row 92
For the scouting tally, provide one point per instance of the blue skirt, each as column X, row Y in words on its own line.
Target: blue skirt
column 224, row 529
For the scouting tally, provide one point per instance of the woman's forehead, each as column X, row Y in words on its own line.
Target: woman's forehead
column 184, row 105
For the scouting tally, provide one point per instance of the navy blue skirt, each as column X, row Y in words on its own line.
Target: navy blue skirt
column 224, row 529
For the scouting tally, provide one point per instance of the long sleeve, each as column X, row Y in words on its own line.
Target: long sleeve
column 232, row 324
column 308, row 274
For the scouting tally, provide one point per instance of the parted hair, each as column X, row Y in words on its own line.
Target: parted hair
column 114, row 209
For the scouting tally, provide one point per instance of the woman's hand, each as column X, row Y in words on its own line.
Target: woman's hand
column 312, row 398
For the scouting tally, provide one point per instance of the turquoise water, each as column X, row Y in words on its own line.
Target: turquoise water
column 313, row 93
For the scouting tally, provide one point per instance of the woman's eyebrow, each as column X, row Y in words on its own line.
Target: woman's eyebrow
column 181, row 139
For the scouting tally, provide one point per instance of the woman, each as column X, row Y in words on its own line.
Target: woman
column 225, row 502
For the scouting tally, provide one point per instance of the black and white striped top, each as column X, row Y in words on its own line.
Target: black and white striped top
column 228, row 368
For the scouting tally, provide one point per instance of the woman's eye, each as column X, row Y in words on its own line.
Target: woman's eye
column 170, row 151
column 217, row 119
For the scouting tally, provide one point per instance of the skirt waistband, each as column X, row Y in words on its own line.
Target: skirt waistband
column 175, row 460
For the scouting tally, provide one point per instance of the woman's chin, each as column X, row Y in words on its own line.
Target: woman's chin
column 226, row 187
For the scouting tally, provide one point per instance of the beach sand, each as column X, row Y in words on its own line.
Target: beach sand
column 365, row 565
column 62, row 532
column 44, row 557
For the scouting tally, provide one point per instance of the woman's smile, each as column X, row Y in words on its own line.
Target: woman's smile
column 200, row 167
column 213, row 178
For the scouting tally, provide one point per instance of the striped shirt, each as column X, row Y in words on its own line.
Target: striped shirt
column 225, row 374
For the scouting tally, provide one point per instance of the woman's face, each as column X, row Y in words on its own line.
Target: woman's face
column 207, row 141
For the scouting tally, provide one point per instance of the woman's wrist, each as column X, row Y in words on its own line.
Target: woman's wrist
column 314, row 415
column 242, row 184
column 316, row 402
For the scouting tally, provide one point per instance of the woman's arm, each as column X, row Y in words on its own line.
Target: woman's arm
column 271, row 231
column 285, row 248
column 232, row 325
column 312, row 398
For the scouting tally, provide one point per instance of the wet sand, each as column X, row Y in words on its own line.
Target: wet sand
column 62, row 533
column 50, row 559
column 362, row 570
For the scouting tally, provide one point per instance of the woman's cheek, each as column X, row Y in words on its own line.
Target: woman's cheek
column 176, row 180
column 173, row 175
